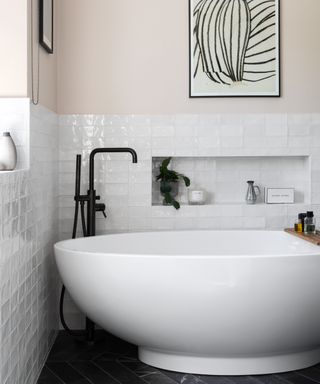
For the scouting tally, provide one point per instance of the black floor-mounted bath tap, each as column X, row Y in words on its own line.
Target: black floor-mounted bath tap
column 89, row 225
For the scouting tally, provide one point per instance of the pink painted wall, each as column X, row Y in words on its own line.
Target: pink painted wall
column 15, row 48
column 124, row 56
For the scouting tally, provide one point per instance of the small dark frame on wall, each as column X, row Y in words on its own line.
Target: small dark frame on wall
column 46, row 25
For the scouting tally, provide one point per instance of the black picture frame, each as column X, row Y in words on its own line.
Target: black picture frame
column 46, row 24
column 221, row 91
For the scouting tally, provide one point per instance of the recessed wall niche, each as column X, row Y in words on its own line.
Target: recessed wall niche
column 225, row 178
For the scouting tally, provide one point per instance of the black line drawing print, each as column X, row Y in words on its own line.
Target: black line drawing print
column 234, row 41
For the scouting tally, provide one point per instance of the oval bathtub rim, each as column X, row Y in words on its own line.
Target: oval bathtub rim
column 59, row 246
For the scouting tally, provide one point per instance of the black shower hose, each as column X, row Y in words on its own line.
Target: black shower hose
column 77, row 334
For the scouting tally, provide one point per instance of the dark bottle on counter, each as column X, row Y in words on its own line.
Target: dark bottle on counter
column 309, row 223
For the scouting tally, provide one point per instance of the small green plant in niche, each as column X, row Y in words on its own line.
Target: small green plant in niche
column 169, row 183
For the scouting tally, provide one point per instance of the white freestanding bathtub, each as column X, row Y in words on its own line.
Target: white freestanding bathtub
column 207, row 302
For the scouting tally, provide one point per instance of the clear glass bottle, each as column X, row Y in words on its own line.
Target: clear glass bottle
column 310, row 223
column 298, row 227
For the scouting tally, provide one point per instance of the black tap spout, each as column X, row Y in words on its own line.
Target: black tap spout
column 92, row 207
column 107, row 150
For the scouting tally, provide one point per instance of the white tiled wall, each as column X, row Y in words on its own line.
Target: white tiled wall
column 219, row 152
column 28, row 228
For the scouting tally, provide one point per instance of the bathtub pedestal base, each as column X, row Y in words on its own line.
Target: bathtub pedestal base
column 229, row 366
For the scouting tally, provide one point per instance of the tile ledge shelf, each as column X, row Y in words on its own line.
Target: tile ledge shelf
column 234, row 204
column 14, row 171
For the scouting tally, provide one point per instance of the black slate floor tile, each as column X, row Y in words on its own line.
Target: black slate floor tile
column 311, row 373
column 65, row 348
column 114, row 357
column 184, row 378
column 149, row 374
column 48, row 377
column 93, row 372
column 175, row 376
column 119, row 372
column 67, row 374
column 270, row 379
column 215, row 379
column 243, row 379
column 295, row 378
column 113, row 361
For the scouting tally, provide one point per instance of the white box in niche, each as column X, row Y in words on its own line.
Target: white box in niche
column 279, row 195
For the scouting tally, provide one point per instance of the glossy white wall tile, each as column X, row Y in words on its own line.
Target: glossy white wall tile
column 218, row 152
column 28, row 229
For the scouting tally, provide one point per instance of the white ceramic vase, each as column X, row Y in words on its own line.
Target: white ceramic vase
column 8, row 153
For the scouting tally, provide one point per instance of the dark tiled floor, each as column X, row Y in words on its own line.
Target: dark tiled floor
column 113, row 361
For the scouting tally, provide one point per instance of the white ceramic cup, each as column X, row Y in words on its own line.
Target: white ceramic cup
column 196, row 197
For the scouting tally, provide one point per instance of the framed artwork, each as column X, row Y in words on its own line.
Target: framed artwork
column 46, row 25
column 234, row 48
